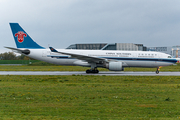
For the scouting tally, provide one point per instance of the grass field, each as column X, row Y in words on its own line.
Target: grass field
column 77, row 68
column 43, row 66
column 18, row 61
column 89, row 97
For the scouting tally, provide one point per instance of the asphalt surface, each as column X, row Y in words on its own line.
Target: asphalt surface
column 108, row 73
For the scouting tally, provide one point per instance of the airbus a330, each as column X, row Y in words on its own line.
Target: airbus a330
column 114, row 60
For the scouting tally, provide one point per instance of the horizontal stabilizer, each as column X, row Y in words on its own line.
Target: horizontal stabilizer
column 25, row 51
column 52, row 49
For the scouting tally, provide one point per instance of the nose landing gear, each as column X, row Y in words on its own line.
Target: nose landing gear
column 157, row 71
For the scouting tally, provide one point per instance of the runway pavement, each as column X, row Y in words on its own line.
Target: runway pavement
column 108, row 73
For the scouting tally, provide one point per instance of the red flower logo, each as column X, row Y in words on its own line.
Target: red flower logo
column 20, row 36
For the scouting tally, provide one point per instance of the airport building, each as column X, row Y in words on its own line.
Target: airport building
column 93, row 46
column 172, row 50
column 176, row 51
column 111, row 46
column 164, row 49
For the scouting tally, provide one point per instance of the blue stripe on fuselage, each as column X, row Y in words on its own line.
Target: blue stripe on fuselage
column 144, row 59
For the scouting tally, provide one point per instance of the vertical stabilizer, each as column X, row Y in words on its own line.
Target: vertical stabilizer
column 22, row 39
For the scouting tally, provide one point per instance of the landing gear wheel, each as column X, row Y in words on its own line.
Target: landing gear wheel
column 88, row 71
column 92, row 71
column 97, row 71
column 157, row 72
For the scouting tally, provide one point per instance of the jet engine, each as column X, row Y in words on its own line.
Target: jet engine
column 114, row 66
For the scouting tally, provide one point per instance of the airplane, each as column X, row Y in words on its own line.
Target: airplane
column 114, row 60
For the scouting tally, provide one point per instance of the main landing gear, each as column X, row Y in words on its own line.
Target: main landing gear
column 157, row 71
column 95, row 70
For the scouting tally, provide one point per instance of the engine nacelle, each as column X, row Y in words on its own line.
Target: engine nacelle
column 114, row 66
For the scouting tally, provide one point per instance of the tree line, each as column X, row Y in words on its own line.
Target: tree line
column 12, row 56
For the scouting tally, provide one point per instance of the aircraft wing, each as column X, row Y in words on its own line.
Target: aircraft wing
column 79, row 56
column 26, row 51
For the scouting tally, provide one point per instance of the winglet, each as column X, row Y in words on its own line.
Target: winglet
column 52, row 49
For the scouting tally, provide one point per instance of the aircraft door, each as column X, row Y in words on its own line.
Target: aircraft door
column 134, row 55
column 44, row 53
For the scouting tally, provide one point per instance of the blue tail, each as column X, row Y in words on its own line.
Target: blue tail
column 22, row 39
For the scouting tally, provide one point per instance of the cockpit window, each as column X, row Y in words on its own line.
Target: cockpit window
column 169, row 56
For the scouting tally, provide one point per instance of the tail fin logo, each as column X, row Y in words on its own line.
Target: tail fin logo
column 20, row 36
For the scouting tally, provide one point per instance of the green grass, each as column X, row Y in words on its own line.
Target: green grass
column 44, row 67
column 18, row 61
column 89, row 97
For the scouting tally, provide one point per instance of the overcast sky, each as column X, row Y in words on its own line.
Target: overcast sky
column 64, row 22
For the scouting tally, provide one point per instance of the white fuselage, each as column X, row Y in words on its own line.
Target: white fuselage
column 110, row 59
column 128, row 58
